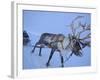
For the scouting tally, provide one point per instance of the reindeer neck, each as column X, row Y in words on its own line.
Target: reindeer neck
column 65, row 42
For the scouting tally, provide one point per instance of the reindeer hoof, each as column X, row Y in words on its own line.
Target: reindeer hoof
column 40, row 55
column 47, row 64
column 32, row 51
column 62, row 66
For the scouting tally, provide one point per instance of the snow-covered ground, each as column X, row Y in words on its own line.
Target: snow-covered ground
column 38, row 22
column 33, row 60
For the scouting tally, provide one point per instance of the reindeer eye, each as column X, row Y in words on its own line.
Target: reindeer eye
column 74, row 40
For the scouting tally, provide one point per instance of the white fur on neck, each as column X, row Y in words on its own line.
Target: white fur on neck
column 65, row 45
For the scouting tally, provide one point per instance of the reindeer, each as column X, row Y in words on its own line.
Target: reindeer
column 59, row 42
column 76, row 42
column 54, row 41
column 26, row 38
column 47, row 39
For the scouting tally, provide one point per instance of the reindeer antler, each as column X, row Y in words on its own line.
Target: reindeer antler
column 84, row 29
column 73, row 28
column 88, row 36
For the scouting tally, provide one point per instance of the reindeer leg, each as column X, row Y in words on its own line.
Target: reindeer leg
column 34, row 48
column 62, row 45
column 51, row 54
column 40, row 51
column 62, row 60
column 69, row 57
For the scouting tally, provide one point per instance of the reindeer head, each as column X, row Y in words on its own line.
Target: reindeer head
column 77, row 42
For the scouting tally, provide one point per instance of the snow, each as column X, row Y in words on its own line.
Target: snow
column 38, row 22
column 34, row 61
